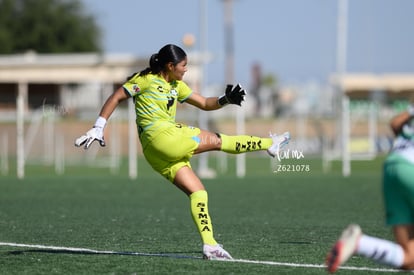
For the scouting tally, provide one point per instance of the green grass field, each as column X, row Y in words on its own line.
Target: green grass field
column 280, row 222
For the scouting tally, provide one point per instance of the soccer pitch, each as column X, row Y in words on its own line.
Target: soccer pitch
column 91, row 222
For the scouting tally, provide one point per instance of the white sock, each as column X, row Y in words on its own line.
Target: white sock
column 380, row 250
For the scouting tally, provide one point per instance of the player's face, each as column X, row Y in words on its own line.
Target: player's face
column 178, row 71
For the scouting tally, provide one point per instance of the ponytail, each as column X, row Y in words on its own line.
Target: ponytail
column 154, row 66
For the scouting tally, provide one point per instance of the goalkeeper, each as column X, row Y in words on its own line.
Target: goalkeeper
column 167, row 145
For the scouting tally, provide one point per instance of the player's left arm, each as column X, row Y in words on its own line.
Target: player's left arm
column 232, row 95
column 202, row 102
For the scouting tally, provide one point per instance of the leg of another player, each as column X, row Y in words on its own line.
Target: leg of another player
column 404, row 236
column 353, row 241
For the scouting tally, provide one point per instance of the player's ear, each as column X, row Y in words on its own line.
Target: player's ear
column 170, row 66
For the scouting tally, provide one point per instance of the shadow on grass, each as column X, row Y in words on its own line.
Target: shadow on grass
column 176, row 255
column 296, row 242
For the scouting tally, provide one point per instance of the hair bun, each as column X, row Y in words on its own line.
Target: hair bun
column 155, row 58
column 154, row 62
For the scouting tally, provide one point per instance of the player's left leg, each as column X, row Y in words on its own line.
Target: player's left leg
column 209, row 141
column 398, row 191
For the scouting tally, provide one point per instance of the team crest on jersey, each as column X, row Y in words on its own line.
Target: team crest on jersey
column 135, row 88
column 173, row 92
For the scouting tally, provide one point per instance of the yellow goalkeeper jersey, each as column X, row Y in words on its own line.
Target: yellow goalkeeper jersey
column 155, row 103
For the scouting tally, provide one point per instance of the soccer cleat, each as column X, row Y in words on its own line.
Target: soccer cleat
column 344, row 248
column 279, row 141
column 215, row 252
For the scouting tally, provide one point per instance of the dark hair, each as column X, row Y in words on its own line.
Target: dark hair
column 158, row 61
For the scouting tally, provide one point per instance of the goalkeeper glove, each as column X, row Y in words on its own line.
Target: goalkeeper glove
column 96, row 133
column 233, row 95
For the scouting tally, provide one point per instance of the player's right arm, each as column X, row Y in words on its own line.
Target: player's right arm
column 97, row 131
column 112, row 102
column 397, row 123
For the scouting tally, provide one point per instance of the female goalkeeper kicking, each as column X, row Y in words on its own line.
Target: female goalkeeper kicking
column 167, row 145
column 398, row 192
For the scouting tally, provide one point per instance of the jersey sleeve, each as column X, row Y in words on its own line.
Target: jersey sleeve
column 407, row 130
column 184, row 91
column 133, row 86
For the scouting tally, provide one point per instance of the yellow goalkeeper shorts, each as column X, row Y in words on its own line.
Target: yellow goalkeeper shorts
column 172, row 149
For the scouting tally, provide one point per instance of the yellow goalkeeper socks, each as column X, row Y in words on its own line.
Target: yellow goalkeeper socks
column 199, row 211
column 243, row 143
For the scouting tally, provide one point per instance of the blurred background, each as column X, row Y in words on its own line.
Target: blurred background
column 331, row 72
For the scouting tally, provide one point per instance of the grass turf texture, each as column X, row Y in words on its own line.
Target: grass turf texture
column 280, row 217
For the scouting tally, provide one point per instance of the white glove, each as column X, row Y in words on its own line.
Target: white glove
column 96, row 133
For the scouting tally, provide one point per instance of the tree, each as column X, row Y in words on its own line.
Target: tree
column 47, row 26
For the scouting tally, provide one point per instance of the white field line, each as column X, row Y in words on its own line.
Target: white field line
column 93, row 251
column 314, row 265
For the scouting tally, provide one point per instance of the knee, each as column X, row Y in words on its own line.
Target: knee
column 408, row 263
column 408, row 266
column 218, row 140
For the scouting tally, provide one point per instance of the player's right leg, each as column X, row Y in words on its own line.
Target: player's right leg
column 241, row 143
column 278, row 142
